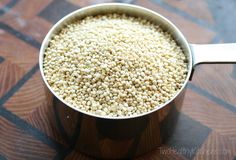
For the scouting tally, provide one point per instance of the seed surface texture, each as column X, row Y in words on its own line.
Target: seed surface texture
column 114, row 65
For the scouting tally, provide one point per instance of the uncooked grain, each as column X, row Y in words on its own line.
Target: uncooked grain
column 114, row 65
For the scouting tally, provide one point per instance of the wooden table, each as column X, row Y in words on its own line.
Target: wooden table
column 29, row 125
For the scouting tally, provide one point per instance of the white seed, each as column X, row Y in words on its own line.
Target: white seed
column 114, row 65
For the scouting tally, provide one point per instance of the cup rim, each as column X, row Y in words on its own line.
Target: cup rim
column 63, row 20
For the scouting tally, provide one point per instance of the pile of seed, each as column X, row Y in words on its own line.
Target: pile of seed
column 114, row 65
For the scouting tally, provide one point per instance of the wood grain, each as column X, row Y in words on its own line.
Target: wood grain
column 15, row 144
column 10, row 75
column 18, row 52
column 222, row 121
column 189, row 29
column 35, row 125
column 214, row 83
column 163, row 153
column 192, row 8
column 217, row 147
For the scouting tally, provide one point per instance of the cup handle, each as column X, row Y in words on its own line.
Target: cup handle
column 212, row 53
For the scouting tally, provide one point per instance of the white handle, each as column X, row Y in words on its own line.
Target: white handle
column 213, row 53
